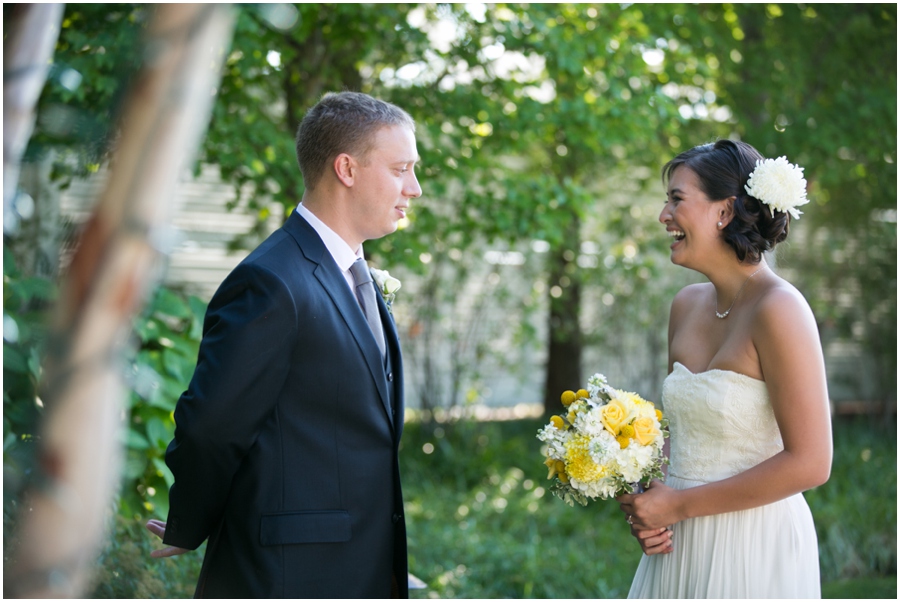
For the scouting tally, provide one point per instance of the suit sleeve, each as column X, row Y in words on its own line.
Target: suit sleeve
column 242, row 365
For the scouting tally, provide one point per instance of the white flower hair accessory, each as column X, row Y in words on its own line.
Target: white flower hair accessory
column 779, row 184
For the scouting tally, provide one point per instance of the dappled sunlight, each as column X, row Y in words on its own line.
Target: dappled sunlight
column 542, row 130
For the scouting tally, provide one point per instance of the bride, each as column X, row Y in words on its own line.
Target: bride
column 746, row 396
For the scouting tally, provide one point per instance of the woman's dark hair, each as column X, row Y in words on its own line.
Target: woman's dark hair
column 723, row 168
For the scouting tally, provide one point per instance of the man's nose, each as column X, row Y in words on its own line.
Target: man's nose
column 413, row 190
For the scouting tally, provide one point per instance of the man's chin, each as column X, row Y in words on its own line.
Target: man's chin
column 384, row 231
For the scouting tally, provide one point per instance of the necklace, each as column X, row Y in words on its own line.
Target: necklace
column 737, row 296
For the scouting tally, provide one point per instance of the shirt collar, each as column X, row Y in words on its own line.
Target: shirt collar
column 343, row 255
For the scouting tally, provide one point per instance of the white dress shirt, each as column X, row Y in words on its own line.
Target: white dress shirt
column 343, row 255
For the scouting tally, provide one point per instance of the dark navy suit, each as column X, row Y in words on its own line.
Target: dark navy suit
column 285, row 448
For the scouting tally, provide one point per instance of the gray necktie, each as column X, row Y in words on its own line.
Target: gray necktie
column 365, row 294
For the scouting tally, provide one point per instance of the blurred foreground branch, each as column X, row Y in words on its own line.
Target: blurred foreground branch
column 26, row 61
column 66, row 507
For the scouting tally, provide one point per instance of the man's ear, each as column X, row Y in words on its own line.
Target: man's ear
column 345, row 169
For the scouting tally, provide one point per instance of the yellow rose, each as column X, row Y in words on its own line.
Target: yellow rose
column 614, row 415
column 645, row 430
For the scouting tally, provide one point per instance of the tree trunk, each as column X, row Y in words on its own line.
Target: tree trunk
column 68, row 504
column 564, row 330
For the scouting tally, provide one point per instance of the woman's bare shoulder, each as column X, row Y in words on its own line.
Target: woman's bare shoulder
column 690, row 296
column 783, row 317
column 782, row 302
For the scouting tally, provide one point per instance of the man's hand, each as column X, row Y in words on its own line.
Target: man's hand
column 158, row 528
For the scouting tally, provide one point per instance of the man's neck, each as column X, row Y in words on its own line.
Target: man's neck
column 328, row 214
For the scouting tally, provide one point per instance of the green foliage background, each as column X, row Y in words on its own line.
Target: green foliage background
column 482, row 524
column 562, row 148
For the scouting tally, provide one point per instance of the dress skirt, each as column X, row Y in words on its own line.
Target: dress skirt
column 765, row 552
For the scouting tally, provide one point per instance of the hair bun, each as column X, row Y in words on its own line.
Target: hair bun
column 723, row 170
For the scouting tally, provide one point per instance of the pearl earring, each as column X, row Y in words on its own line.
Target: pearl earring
column 720, row 224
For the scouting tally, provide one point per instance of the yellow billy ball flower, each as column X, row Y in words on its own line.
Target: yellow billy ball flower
column 627, row 431
column 582, row 394
column 557, row 421
column 567, row 398
column 623, row 441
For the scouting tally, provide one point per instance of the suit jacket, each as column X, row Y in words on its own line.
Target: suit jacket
column 285, row 447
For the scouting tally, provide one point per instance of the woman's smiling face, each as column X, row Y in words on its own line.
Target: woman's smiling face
column 690, row 218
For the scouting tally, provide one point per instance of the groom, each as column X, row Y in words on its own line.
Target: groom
column 285, row 448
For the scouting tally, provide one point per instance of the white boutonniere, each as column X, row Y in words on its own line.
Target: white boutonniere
column 387, row 285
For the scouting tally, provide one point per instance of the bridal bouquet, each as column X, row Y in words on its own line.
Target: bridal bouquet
column 607, row 443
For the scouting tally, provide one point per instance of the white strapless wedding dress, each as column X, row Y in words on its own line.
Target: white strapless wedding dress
column 721, row 424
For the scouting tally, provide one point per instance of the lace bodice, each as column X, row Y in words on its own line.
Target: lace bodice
column 721, row 423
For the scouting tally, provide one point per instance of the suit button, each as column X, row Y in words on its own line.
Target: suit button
column 396, row 518
column 390, row 377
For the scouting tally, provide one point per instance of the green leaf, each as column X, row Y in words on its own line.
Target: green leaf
column 160, row 465
column 147, row 329
column 27, row 289
column 168, row 303
column 198, row 309
column 135, row 440
column 160, row 501
column 34, row 363
column 13, row 360
column 159, row 432
column 176, row 365
column 135, row 465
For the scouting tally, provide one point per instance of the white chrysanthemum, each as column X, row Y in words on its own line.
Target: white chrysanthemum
column 629, row 401
column 779, row 184
column 646, row 410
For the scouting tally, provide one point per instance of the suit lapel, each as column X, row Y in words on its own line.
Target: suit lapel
column 329, row 275
column 392, row 342
column 387, row 320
